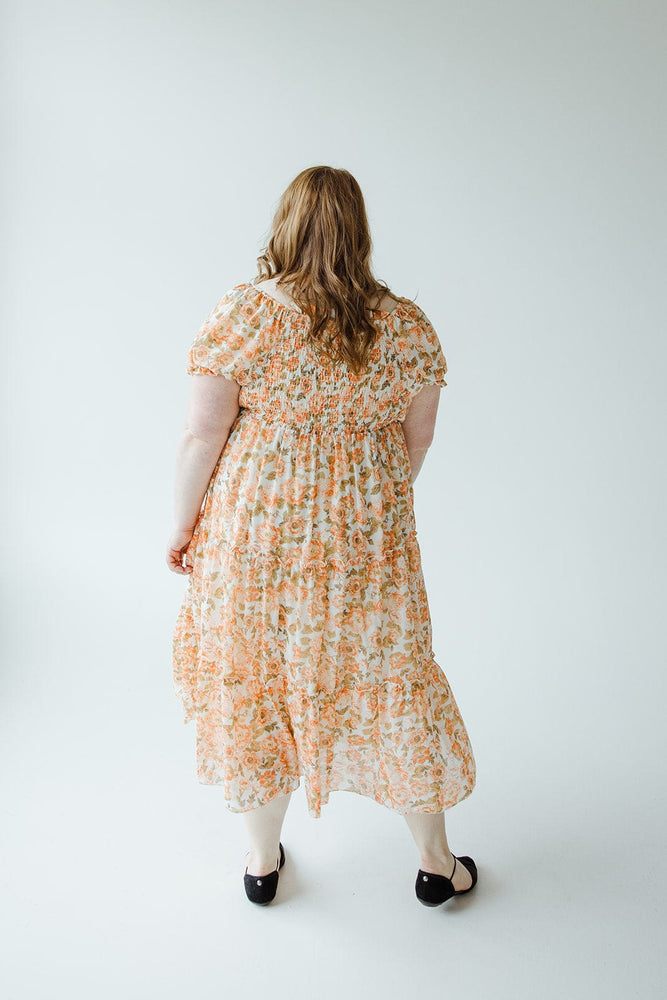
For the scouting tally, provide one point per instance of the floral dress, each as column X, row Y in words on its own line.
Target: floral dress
column 303, row 645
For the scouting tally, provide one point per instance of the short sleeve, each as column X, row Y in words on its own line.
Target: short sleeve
column 224, row 343
column 422, row 357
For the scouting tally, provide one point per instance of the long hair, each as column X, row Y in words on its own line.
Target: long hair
column 320, row 244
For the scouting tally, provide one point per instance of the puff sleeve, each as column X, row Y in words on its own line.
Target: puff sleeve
column 223, row 345
column 422, row 359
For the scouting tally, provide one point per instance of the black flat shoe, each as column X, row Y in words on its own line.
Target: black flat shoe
column 432, row 890
column 262, row 888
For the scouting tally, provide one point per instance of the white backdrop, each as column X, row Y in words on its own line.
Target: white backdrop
column 512, row 156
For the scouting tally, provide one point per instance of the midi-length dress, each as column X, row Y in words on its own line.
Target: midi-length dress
column 303, row 646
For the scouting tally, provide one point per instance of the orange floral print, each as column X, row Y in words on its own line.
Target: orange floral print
column 303, row 646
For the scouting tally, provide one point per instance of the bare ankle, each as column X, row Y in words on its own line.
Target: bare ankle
column 437, row 860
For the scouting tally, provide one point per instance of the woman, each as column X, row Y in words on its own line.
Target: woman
column 303, row 645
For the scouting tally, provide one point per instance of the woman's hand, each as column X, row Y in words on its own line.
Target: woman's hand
column 177, row 549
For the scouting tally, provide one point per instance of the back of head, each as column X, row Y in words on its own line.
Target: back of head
column 320, row 247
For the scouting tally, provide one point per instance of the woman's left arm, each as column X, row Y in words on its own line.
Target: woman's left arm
column 212, row 410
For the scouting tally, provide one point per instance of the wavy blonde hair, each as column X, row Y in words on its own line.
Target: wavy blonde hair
column 320, row 244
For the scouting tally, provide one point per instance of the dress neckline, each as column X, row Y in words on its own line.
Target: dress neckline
column 283, row 305
column 300, row 312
